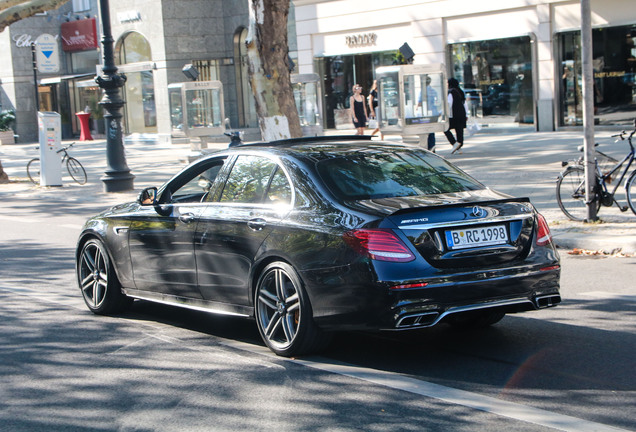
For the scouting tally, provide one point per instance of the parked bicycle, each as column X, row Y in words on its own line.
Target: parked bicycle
column 609, row 175
column 73, row 166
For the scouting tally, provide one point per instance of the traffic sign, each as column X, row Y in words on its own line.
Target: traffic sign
column 47, row 54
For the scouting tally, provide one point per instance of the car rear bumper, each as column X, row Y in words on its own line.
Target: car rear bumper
column 374, row 305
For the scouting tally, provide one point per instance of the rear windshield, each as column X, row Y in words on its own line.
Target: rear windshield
column 372, row 174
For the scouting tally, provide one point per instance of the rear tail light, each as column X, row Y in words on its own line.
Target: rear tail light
column 379, row 244
column 543, row 231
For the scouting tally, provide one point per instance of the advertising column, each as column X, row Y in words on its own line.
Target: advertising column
column 50, row 128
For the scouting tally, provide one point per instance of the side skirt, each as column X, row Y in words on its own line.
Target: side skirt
column 190, row 303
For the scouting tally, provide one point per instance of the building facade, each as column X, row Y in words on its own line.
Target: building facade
column 519, row 60
column 154, row 40
column 68, row 90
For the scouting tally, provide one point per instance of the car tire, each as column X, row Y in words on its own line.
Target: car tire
column 283, row 313
column 97, row 280
column 476, row 320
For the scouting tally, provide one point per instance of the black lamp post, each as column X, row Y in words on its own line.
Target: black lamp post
column 117, row 177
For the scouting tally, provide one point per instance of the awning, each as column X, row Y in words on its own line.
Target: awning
column 58, row 79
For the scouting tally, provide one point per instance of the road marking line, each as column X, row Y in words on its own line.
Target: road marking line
column 72, row 226
column 34, row 221
column 448, row 394
column 400, row 382
column 609, row 295
column 18, row 219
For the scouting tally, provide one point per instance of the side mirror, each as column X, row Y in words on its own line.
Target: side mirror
column 148, row 197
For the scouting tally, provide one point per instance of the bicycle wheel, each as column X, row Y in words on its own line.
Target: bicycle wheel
column 76, row 170
column 630, row 190
column 570, row 193
column 33, row 170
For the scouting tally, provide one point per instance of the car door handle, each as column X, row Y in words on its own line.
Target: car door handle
column 186, row 218
column 257, row 224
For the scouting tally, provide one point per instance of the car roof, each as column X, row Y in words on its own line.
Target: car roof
column 320, row 147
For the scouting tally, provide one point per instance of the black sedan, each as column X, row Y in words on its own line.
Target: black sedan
column 314, row 235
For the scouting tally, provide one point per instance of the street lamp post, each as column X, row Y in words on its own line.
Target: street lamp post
column 117, row 177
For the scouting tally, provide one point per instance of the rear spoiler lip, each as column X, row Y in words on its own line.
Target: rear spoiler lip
column 462, row 204
column 445, row 224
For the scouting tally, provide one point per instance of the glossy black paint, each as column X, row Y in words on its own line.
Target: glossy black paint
column 209, row 254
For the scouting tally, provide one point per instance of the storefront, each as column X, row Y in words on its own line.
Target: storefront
column 497, row 78
column 519, row 64
column 339, row 74
column 134, row 58
column 614, row 63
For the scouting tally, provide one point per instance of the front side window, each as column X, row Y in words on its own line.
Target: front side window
column 193, row 186
column 248, row 180
column 388, row 174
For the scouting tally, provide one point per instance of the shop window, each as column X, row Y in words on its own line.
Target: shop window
column 139, row 91
column 496, row 76
column 133, row 48
column 614, row 64
column 208, row 70
column 339, row 74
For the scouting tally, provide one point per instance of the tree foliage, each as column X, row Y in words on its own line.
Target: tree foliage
column 15, row 10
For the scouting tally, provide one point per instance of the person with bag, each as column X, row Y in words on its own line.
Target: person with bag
column 458, row 115
column 358, row 110
column 373, row 106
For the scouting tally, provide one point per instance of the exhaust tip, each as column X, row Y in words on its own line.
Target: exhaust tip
column 547, row 301
column 418, row 320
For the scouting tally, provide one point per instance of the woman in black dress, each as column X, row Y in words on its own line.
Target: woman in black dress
column 358, row 110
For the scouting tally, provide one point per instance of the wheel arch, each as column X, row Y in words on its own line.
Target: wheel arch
column 258, row 268
column 84, row 238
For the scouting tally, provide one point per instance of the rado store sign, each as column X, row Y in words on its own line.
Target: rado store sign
column 361, row 40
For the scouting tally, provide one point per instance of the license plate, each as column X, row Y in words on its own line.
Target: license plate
column 475, row 237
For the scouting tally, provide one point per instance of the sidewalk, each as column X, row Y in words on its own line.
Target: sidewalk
column 519, row 164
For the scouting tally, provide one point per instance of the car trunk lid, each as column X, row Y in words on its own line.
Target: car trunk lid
column 471, row 231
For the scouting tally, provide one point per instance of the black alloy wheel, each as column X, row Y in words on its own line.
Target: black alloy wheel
column 97, row 280
column 283, row 313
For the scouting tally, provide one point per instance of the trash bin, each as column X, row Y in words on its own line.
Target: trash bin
column 85, row 130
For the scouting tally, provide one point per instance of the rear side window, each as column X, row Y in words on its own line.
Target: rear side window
column 279, row 191
column 249, row 180
column 376, row 174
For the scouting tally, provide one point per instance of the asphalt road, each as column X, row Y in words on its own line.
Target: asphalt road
column 161, row 368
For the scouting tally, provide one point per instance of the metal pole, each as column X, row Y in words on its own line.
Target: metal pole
column 588, row 108
column 117, row 177
column 35, row 79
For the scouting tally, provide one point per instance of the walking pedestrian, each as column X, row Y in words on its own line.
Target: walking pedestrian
column 373, row 108
column 457, row 115
column 358, row 109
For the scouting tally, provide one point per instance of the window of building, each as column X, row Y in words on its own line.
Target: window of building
column 614, row 63
column 139, row 91
column 496, row 76
column 81, row 6
column 208, row 70
column 340, row 73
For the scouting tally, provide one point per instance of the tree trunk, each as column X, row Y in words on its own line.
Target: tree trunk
column 4, row 178
column 268, row 67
